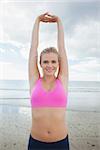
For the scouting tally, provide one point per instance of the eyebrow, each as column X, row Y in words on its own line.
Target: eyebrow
column 48, row 61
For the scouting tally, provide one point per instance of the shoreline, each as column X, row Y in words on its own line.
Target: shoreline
column 15, row 122
column 68, row 109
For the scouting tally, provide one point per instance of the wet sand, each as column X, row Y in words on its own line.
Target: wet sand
column 15, row 123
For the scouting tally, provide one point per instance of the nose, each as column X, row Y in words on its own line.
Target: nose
column 50, row 65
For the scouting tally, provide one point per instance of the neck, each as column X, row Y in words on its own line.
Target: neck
column 49, row 79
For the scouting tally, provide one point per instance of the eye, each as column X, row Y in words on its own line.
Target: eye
column 53, row 61
column 45, row 61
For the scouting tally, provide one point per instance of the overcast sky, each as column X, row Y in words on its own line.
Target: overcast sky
column 81, row 21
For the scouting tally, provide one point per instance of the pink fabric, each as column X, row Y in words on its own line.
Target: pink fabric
column 57, row 97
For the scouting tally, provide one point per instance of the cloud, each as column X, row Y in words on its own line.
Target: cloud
column 85, row 40
column 83, row 51
column 85, row 66
column 12, row 71
column 24, row 51
column 81, row 23
column 2, row 50
column 11, row 52
column 87, row 70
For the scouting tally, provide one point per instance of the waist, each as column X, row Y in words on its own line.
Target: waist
column 49, row 134
column 49, row 123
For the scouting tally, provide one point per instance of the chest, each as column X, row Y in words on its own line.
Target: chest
column 54, row 98
column 49, row 87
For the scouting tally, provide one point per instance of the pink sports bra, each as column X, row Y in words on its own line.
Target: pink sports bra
column 57, row 97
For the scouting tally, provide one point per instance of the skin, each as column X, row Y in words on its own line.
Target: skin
column 49, row 64
column 51, row 121
column 48, row 123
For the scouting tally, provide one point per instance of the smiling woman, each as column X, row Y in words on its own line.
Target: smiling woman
column 48, row 94
column 49, row 60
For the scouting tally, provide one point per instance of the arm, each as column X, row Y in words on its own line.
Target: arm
column 60, row 41
column 63, row 68
column 35, row 37
column 33, row 54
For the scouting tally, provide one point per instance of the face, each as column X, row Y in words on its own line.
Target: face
column 49, row 63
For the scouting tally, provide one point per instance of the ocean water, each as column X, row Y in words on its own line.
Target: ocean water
column 82, row 95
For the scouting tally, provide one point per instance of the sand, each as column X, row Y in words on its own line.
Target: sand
column 15, row 123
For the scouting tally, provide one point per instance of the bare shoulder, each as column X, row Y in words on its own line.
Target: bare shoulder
column 64, row 81
column 33, row 81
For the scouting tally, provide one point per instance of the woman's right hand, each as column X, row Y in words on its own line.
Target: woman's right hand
column 44, row 17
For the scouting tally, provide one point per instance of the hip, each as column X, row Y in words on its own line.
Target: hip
column 49, row 134
column 35, row 144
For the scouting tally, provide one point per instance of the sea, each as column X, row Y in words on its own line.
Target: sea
column 82, row 95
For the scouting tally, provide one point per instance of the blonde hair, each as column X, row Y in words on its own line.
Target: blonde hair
column 49, row 50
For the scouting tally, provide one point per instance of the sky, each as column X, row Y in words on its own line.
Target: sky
column 81, row 23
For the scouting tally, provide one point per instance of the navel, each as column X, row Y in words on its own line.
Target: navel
column 49, row 132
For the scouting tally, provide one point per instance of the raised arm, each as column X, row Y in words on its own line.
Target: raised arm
column 63, row 69
column 33, row 54
column 63, row 66
column 60, row 40
column 35, row 37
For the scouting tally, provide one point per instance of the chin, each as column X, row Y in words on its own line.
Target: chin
column 50, row 74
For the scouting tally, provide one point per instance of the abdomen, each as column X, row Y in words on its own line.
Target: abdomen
column 49, row 124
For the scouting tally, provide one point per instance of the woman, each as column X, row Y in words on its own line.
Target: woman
column 48, row 93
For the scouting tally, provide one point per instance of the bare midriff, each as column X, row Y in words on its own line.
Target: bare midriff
column 49, row 124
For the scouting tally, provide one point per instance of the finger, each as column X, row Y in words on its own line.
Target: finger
column 51, row 15
column 53, row 20
column 45, row 21
column 43, row 15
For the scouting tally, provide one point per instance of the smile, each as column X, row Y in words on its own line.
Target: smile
column 49, row 70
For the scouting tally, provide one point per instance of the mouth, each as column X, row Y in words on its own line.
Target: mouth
column 49, row 70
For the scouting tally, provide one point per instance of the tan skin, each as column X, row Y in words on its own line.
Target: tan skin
column 49, row 64
column 48, row 124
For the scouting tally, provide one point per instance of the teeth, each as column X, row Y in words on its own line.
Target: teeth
column 49, row 70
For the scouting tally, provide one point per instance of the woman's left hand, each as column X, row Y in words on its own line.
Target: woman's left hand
column 52, row 18
column 49, row 18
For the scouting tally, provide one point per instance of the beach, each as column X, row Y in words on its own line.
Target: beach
column 82, row 115
column 15, row 123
